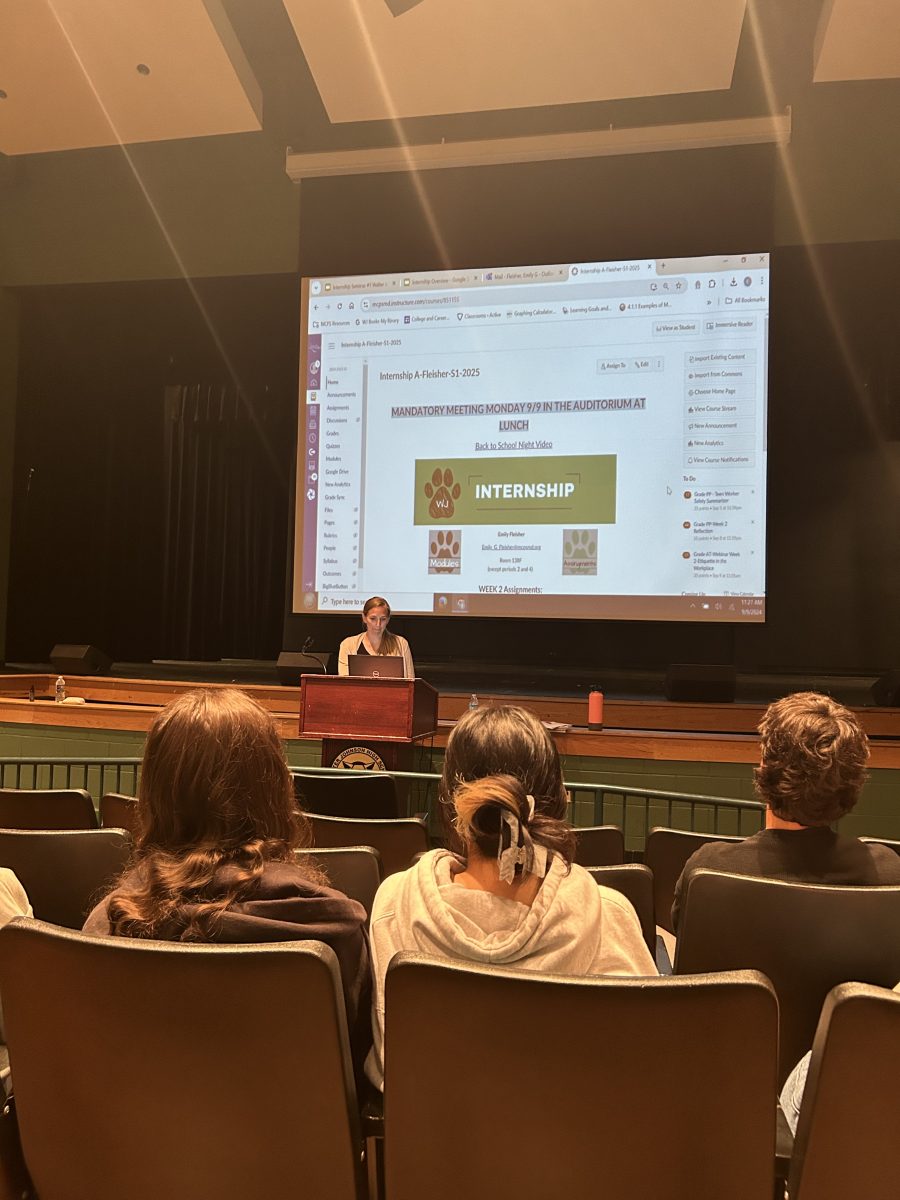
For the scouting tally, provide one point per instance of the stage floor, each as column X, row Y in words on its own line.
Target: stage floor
column 854, row 690
column 645, row 728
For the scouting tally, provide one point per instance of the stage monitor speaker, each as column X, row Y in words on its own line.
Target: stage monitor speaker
column 886, row 690
column 79, row 660
column 292, row 664
column 705, row 683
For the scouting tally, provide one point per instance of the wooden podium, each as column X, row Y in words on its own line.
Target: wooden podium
column 367, row 723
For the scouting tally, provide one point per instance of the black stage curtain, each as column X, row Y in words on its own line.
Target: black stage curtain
column 224, row 528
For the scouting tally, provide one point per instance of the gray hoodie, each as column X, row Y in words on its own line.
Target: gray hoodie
column 573, row 927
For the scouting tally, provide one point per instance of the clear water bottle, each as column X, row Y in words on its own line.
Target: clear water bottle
column 60, row 690
column 473, row 702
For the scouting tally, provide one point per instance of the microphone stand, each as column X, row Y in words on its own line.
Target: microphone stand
column 305, row 651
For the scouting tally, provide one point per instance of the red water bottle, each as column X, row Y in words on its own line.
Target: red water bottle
column 595, row 707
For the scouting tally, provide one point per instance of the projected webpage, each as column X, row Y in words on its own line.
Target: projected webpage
column 579, row 440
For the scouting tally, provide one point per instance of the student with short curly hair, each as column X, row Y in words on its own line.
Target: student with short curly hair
column 813, row 756
column 214, row 856
column 512, row 893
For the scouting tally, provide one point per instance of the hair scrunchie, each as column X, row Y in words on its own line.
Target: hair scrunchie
column 516, row 852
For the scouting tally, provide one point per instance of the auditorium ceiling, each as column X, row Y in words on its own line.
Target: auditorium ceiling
column 350, row 75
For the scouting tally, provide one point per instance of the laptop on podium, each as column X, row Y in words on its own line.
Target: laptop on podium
column 376, row 666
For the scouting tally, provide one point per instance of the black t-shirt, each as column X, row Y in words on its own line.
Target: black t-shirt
column 816, row 855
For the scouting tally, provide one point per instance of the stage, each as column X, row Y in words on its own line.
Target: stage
column 639, row 729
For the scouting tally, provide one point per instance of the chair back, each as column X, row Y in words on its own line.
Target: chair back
column 195, row 1072
column 65, row 871
column 348, row 794
column 891, row 845
column 635, row 882
column 119, row 812
column 846, row 1143
column 805, row 937
column 666, row 852
column 354, row 870
column 599, row 846
column 398, row 841
column 54, row 808
column 669, row 1090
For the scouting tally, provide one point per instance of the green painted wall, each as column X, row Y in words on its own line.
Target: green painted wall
column 877, row 815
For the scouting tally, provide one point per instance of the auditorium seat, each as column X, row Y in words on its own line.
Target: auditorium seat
column 635, row 882
column 65, row 871
column 806, row 938
column 666, row 852
column 599, row 845
column 891, row 845
column 846, row 1143
column 348, row 794
column 53, row 808
column 577, row 1087
column 398, row 841
column 192, row 1072
column 119, row 812
column 354, row 870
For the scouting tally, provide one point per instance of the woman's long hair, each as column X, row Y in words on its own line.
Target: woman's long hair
column 390, row 644
column 495, row 759
column 215, row 804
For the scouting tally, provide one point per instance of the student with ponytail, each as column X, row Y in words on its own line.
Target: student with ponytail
column 508, row 891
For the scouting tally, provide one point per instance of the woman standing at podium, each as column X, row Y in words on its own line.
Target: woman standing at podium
column 375, row 638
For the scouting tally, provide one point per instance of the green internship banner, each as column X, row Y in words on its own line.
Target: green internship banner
column 532, row 491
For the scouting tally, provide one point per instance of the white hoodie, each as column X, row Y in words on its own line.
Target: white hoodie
column 574, row 927
column 13, row 903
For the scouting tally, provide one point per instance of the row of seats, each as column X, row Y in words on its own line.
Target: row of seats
column 64, row 871
column 350, row 794
column 339, row 802
column 553, row 1085
column 805, row 938
column 64, row 808
column 398, row 839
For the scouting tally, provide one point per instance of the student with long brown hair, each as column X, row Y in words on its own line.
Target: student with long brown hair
column 214, row 855
column 511, row 893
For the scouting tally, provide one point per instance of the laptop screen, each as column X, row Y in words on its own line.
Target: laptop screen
column 376, row 666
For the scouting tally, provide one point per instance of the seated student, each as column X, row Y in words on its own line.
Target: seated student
column 794, row 1086
column 512, row 894
column 811, row 772
column 13, row 903
column 214, row 855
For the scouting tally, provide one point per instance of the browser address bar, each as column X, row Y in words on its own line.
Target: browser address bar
column 481, row 297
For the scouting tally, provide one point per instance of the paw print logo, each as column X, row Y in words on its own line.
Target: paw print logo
column 444, row 547
column 442, row 491
column 581, row 544
column 579, row 552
